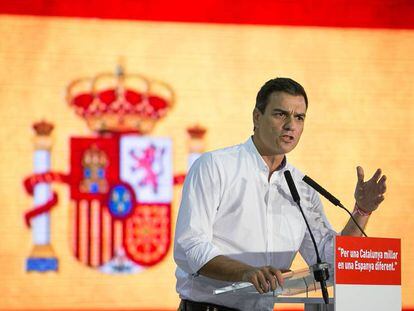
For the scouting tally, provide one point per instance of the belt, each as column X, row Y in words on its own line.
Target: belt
column 188, row 305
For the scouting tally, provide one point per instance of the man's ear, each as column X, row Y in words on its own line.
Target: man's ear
column 256, row 116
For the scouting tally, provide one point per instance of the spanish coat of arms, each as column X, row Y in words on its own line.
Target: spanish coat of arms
column 121, row 178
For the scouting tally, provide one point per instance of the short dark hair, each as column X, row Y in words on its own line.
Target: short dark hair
column 286, row 85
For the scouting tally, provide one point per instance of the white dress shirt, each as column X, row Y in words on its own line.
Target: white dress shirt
column 229, row 207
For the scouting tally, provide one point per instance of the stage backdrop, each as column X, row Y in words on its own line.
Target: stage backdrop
column 356, row 63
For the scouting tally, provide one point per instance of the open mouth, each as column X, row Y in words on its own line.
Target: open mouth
column 287, row 138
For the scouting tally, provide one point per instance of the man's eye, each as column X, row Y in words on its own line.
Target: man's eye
column 300, row 118
column 279, row 114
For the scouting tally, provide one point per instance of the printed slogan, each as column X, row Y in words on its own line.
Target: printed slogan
column 368, row 261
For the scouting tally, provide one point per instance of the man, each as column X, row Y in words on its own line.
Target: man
column 237, row 220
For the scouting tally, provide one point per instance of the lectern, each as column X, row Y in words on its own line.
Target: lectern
column 366, row 275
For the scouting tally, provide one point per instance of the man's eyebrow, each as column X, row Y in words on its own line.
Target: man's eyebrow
column 300, row 114
column 287, row 112
column 280, row 110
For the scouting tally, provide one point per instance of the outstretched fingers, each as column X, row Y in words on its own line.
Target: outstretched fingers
column 376, row 175
column 382, row 185
column 360, row 174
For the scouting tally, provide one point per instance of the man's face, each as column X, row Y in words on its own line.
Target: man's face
column 278, row 129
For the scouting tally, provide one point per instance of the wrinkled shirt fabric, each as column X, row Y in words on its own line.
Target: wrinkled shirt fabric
column 230, row 207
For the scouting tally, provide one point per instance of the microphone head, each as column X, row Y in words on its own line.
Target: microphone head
column 321, row 190
column 292, row 187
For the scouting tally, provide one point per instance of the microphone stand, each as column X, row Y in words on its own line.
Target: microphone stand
column 320, row 269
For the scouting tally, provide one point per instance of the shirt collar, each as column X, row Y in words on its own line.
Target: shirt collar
column 251, row 148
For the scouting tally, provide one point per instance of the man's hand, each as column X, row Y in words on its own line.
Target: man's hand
column 369, row 194
column 263, row 278
column 231, row 270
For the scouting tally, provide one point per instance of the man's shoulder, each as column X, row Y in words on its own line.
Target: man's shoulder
column 219, row 160
column 227, row 151
column 223, row 154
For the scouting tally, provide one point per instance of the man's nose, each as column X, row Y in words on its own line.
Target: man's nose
column 289, row 123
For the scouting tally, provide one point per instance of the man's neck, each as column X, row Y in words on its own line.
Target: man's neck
column 273, row 161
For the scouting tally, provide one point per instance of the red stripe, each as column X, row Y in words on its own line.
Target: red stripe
column 89, row 234
column 328, row 13
column 77, row 229
column 100, row 219
column 112, row 247
column 128, row 309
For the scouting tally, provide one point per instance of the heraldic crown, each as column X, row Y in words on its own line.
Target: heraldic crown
column 120, row 103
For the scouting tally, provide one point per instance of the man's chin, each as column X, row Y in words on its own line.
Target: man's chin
column 288, row 148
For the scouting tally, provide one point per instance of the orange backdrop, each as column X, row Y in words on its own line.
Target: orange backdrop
column 359, row 83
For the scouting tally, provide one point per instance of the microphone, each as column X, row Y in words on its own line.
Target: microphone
column 320, row 269
column 292, row 187
column 322, row 191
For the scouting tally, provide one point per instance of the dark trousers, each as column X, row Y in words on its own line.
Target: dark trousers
column 188, row 305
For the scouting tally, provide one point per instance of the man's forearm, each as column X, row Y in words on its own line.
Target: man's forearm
column 351, row 229
column 224, row 268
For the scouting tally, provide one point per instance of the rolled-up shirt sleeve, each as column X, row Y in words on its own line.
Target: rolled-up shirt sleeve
column 322, row 231
column 193, row 246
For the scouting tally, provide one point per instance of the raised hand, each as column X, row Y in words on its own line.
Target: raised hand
column 369, row 194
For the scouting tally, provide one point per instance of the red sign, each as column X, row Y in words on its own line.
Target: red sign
column 374, row 261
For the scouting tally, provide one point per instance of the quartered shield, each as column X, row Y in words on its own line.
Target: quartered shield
column 121, row 193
